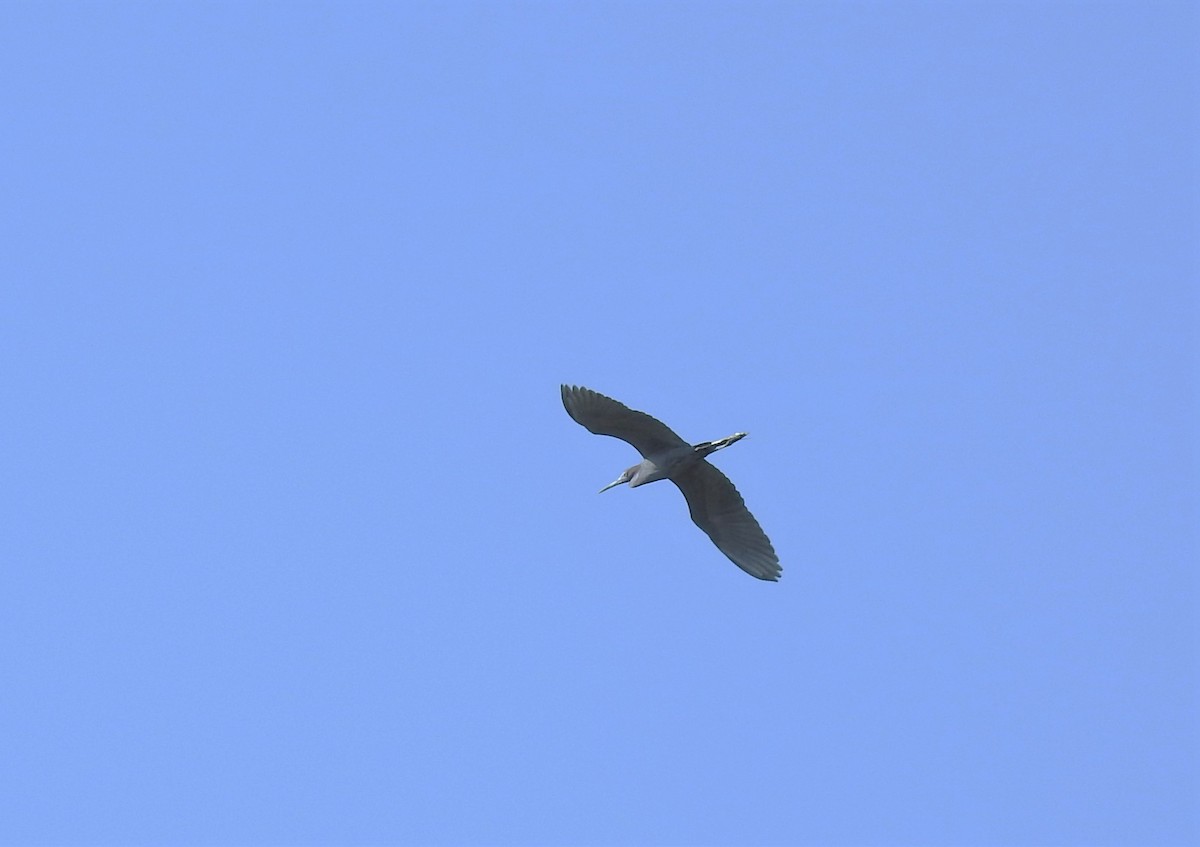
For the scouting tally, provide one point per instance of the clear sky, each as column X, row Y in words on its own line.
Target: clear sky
column 298, row 546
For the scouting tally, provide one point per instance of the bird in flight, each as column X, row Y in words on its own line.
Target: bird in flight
column 715, row 505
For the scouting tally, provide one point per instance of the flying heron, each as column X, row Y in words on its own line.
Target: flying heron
column 714, row 503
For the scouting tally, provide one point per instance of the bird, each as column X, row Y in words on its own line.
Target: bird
column 715, row 505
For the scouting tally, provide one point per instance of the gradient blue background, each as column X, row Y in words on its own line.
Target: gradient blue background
column 299, row 546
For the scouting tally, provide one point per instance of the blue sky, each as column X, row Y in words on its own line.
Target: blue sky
column 300, row 547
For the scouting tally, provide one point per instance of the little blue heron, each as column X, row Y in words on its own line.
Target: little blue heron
column 714, row 503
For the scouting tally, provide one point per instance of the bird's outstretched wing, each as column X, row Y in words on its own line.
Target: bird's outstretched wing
column 605, row 416
column 719, row 510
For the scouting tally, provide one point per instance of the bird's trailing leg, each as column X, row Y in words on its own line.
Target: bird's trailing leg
column 706, row 447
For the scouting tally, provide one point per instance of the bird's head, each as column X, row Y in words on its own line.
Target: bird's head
column 621, row 480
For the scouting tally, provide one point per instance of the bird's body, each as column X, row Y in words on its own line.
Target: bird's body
column 714, row 504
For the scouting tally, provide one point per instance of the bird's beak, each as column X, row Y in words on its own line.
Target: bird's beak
column 619, row 481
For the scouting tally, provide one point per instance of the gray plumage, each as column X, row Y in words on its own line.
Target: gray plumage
column 715, row 505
